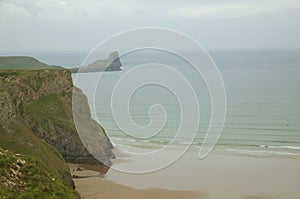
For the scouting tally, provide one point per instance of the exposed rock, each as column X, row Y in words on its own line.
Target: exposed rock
column 8, row 111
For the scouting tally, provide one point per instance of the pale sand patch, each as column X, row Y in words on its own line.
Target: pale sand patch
column 221, row 175
column 257, row 197
column 91, row 184
column 218, row 176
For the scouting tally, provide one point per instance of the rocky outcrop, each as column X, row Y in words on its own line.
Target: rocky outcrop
column 112, row 63
column 8, row 111
column 90, row 132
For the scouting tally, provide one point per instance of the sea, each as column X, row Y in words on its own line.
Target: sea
column 262, row 91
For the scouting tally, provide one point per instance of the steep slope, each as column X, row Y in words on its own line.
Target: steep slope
column 23, row 176
column 36, row 120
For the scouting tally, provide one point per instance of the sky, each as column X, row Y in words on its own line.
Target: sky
column 77, row 25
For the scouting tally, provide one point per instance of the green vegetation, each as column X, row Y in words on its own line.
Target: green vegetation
column 18, row 89
column 23, row 176
column 52, row 108
column 22, row 62
column 21, row 140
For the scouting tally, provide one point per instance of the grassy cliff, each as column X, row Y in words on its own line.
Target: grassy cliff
column 22, row 62
column 18, row 89
column 36, row 122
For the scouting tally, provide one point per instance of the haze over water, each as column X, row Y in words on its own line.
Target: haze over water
column 263, row 109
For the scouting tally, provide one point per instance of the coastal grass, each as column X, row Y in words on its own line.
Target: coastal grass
column 17, row 137
column 22, row 63
column 23, row 176
column 52, row 107
column 22, row 141
column 36, row 126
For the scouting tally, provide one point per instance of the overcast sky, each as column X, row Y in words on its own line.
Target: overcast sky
column 44, row 25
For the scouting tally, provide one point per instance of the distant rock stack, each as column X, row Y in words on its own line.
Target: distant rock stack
column 112, row 63
column 114, row 59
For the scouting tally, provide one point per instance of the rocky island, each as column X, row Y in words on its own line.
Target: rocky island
column 37, row 131
column 112, row 63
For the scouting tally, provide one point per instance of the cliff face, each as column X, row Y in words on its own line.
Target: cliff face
column 43, row 98
column 36, row 118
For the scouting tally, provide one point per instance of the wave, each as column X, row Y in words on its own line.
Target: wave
column 282, row 150
column 121, row 139
column 116, row 138
column 130, row 140
column 185, row 143
column 280, row 147
column 262, row 152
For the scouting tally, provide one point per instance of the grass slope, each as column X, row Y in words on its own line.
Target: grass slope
column 23, row 176
column 45, row 163
column 22, row 62
column 52, row 108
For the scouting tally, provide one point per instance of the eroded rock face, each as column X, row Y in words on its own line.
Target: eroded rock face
column 8, row 111
column 42, row 100
column 90, row 132
column 30, row 85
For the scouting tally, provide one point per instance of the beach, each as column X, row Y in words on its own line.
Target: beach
column 219, row 175
column 91, row 184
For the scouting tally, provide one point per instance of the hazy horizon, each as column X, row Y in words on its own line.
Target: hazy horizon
column 73, row 26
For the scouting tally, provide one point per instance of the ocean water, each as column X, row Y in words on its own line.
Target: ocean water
column 263, row 101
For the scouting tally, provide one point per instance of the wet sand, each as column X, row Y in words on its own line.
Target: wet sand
column 217, row 176
column 91, row 185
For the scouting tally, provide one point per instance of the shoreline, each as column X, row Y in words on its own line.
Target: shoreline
column 93, row 185
column 217, row 176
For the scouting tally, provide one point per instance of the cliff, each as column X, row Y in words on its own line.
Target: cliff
column 112, row 63
column 36, row 120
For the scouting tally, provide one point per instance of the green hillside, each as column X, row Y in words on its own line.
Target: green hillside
column 36, row 125
column 24, row 176
column 22, row 62
column 33, row 179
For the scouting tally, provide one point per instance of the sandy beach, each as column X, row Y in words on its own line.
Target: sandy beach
column 91, row 184
column 218, row 176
